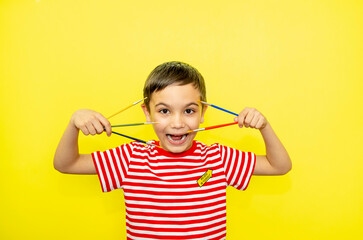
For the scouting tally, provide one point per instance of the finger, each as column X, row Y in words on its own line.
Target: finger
column 249, row 117
column 260, row 123
column 241, row 117
column 106, row 125
column 91, row 129
column 84, row 130
column 98, row 126
column 256, row 117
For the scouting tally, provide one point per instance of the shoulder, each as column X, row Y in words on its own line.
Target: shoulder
column 215, row 147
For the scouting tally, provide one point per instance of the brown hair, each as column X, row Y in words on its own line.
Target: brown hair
column 170, row 73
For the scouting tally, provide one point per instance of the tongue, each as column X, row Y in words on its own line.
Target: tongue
column 176, row 138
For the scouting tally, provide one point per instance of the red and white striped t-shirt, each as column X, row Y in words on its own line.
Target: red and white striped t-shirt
column 174, row 196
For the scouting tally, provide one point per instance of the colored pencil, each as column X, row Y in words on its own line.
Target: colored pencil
column 133, row 124
column 212, row 127
column 225, row 110
column 138, row 140
column 126, row 108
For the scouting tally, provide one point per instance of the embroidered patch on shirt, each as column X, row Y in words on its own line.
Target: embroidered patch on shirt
column 206, row 176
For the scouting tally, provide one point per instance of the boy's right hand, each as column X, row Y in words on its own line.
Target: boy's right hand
column 91, row 122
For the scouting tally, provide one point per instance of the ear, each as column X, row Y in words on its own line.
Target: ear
column 146, row 112
column 203, row 112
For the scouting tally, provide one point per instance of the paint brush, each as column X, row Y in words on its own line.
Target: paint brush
column 126, row 108
column 225, row 110
column 133, row 124
column 137, row 140
column 212, row 127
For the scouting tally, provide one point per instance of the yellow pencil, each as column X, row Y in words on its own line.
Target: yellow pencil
column 126, row 108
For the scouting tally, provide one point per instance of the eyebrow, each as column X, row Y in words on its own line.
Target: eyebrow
column 167, row 105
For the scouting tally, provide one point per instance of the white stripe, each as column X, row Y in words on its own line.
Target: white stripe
column 113, row 169
column 166, row 183
column 180, row 226
column 124, row 161
column 127, row 152
column 239, row 160
column 107, row 172
column 118, row 162
column 172, row 197
column 184, row 233
column 245, row 161
column 142, row 210
column 201, row 148
column 210, row 236
column 250, row 171
column 171, row 161
column 171, row 170
column 166, row 178
column 174, row 190
column 100, row 173
column 211, row 149
column 171, row 204
column 226, row 159
column 230, row 170
column 179, row 164
column 179, row 219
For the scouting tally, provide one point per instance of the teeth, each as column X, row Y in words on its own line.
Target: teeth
column 171, row 139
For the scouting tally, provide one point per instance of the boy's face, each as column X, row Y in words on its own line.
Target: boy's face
column 177, row 110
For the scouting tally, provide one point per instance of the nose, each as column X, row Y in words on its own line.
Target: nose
column 177, row 121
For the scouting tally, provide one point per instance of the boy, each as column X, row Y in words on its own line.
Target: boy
column 178, row 189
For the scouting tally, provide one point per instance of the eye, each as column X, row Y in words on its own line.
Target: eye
column 189, row 111
column 164, row 111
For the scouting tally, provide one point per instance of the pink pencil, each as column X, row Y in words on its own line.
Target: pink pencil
column 212, row 127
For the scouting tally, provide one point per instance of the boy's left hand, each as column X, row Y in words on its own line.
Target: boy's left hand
column 251, row 117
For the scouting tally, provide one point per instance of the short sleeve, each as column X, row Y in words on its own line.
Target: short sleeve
column 238, row 166
column 112, row 166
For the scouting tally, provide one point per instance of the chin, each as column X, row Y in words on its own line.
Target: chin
column 176, row 148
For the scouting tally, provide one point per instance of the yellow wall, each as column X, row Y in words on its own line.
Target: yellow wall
column 298, row 62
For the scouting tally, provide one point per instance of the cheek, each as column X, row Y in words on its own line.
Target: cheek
column 193, row 122
column 161, row 124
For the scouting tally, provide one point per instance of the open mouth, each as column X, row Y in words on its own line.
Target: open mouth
column 177, row 139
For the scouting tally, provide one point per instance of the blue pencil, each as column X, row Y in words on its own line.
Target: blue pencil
column 219, row 108
column 138, row 140
column 133, row 124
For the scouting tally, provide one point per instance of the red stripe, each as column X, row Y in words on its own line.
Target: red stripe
column 103, row 172
column 229, row 162
column 98, row 170
column 171, row 183
column 117, row 170
column 175, row 215
column 245, row 177
column 175, row 200
column 174, row 221
column 148, row 204
column 234, row 167
column 177, row 230
column 186, row 193
column 158, row 166
column 241, row 163
column 173, row 208
column 203, row 236
column 112, row 176
column 251, row 166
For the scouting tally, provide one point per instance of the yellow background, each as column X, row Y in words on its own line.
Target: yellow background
column 298, row 62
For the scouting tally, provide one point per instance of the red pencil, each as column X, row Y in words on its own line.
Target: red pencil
column 212, row 127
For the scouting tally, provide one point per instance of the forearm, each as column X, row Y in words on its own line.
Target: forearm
column 276, row 153
column 67, row 151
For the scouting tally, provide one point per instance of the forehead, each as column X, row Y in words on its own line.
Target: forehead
column 176, row 94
